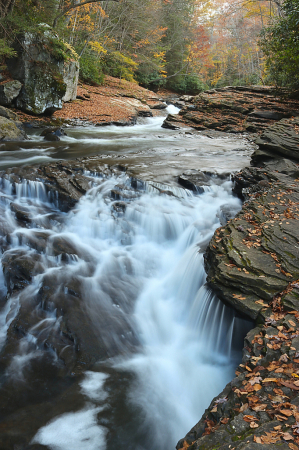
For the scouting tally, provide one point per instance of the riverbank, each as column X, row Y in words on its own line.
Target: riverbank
column 235, row 109
column 253, row 264
column 117, row 102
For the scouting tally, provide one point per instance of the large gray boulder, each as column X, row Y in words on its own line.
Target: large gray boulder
column 49, row 77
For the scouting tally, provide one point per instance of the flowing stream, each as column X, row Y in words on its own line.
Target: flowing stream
column 162, row 345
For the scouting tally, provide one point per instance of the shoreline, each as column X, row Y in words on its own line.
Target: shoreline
column 252, row 263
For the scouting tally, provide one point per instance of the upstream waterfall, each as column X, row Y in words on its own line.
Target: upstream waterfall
column 133, row 269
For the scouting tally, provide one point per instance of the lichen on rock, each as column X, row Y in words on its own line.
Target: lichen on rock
column 48, row 79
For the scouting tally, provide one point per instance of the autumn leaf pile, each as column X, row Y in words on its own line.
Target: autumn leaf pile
column 101, row 104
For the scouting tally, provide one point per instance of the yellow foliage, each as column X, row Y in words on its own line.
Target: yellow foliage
column 97, row 47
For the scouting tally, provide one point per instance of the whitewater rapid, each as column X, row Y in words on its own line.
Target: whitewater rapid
column 139, row 262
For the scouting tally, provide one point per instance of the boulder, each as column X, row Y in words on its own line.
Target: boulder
column 9, row 91
column 4, row 112
column 48, row 80
column 9, row 130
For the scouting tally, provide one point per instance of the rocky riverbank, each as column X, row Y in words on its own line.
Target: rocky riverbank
column 253, row 264
column 234, row 110
column 116, row 102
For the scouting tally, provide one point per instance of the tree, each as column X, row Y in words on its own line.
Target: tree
column 66, row 8
column 280, row 43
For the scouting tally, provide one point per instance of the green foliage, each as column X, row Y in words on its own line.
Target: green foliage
column 149, row 79
column 119, row 65
column 280, row 43
column 91, row 69
column 186, row 84
column 5, row 50
column 61, row 50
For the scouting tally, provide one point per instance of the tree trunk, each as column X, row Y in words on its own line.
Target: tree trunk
column 6, row 7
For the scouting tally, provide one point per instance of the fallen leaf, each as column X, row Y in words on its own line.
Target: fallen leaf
column 260, row 407
column 284, row 358
column 286, row 412
column 243, row 407
column 279, row 417
column 293, row 447
column 225, row 420
column 289, row 385
column 253, row 425
column 268, row 380
column 287, row 436
column 249, row 418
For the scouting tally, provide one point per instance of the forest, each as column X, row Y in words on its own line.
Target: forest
column 183, row 45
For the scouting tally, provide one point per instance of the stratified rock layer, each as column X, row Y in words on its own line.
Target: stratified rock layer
column 234, row 110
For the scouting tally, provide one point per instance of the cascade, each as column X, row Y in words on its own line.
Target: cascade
column 135, row 274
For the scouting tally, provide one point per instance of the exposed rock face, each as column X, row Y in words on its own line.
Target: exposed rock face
column 281, row 138
column 234, row 110
column 9, row 91
column 47, row 81
column 9, row 130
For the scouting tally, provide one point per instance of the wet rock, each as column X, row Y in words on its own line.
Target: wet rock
column 267, row 114
column 158, row 105
column 195, row 180
column 54, row 130
column 9, row 91
column 51, row 137
column 145, row 114
column 22, row 213
column 173, row 122
column 19, row 267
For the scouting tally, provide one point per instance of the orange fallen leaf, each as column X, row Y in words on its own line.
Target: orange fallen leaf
column 286, row 412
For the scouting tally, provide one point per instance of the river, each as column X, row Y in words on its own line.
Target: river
column 157, row 344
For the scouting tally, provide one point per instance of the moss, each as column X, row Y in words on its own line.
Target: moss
column 242, row 436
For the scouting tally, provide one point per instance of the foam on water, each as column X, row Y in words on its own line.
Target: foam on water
column 76, row 431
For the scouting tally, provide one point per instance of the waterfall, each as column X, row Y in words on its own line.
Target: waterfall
column 136, row 266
